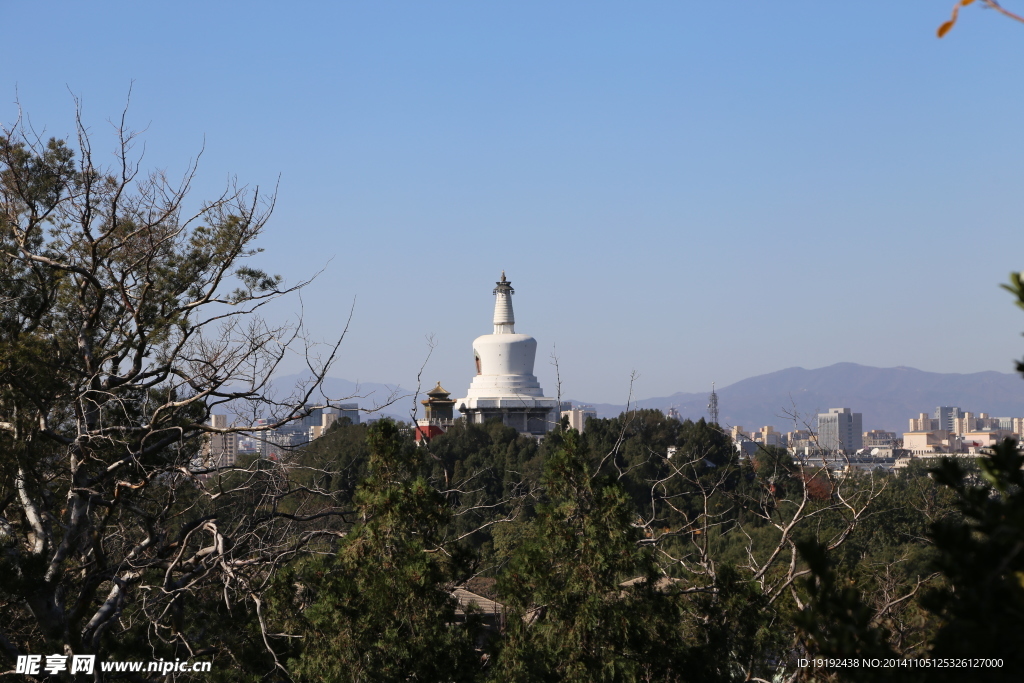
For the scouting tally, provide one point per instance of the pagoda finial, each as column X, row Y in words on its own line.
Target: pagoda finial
column 504, row 319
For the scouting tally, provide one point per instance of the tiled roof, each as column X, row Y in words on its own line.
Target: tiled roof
column 482, row 604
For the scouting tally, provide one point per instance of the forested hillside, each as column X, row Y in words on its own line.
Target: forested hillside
column 617, row 558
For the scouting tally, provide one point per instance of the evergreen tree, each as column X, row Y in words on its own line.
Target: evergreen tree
column 981, row 556
column 380, row 608
column 571, row 617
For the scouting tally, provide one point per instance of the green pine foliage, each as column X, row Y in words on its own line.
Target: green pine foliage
column 570, row 619
column 380, row 607
column 333, row 466
column 487, row 472
column 613, row 565
column 837, row 622
column 981, row 556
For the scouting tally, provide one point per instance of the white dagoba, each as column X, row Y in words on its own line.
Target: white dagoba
column 505, row 386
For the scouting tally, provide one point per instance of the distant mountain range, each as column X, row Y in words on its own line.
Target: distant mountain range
column 887, row 397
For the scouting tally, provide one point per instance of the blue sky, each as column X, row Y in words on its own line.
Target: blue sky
column 695, row 191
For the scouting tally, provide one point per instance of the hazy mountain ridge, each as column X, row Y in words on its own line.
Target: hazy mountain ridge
column 887, row 397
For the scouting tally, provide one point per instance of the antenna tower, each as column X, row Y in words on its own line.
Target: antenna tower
column 713, row 405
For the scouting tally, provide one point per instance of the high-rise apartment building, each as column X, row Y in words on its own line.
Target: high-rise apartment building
column 947, row 416
column 840, row 430
column 220, row 450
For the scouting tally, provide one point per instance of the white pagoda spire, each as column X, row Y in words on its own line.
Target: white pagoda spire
column 504, row 318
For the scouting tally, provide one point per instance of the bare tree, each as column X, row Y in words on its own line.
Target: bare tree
column 697, row 499
column 125, row 322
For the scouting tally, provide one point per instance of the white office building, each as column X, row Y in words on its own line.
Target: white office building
column 840, row 430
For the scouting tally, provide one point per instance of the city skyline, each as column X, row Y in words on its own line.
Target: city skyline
column 787, row 399
column 694, row 193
